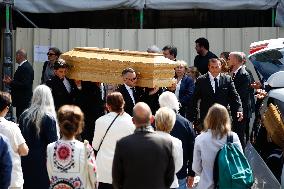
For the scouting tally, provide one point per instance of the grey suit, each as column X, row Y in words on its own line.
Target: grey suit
column 143, row 160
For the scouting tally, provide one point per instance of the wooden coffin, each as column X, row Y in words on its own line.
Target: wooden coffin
column 106, row 65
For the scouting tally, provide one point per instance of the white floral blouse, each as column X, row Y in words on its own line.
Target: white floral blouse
column 71, row 164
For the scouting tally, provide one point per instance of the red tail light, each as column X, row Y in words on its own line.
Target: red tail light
column 257, row 48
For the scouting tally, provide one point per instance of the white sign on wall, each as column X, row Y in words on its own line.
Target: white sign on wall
column 40, row 53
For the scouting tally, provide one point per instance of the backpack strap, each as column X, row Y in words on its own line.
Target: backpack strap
column 216, row 171
column 230, row 138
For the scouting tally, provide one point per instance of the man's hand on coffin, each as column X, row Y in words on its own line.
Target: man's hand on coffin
column 78, row 84
column 154, row 90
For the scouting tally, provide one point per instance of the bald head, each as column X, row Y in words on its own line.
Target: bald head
column 235, row 60
column 22, row 52
column 142, row 115
column 21, row 55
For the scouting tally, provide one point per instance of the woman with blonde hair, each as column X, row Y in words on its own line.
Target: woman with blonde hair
column 184, row 87
column 193, row 72
column 165, row 119
column 217, row 126
column 71, row 163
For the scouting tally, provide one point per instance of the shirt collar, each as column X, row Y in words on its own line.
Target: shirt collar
column 211, row 76
column 148, row 129
column 127, row 87
column 22, row 62
column 235, row 72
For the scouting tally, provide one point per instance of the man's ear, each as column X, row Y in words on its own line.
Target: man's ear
column 133, row 120
column 152, row 119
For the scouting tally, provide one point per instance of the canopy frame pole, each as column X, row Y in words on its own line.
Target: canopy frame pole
column 141, row 18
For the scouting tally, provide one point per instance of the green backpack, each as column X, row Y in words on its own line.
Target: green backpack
column 231, row 168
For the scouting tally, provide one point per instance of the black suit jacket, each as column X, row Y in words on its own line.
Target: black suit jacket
column 225, row 95
column 183, row 130
column 242, row 83
column 143, row 160
column 138, row 95
column 60, row 94
column 22, row 85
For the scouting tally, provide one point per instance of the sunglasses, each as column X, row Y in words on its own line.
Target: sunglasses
column 132, row 79
column 50, row 54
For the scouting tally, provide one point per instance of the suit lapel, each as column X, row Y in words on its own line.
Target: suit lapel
column 209, row 86
column 221, row 80
column 129, row 99
column 238, row 73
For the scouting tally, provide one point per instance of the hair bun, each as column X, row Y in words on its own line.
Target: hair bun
column 68, row 126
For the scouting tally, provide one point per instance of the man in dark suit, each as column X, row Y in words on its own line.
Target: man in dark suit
column 214, row 87
column 242, row 83
column 185, row 133
column 64, row 90
column 129, row 91
column 251, row 94
column 143, row 159
column 22, row 83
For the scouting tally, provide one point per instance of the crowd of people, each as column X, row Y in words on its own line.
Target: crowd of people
column 146, row 138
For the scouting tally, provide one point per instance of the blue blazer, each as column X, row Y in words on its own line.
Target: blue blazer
column 186, row 90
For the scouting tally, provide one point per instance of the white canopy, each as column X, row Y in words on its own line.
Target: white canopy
column 54, row 6
column 211, row 4
column 57, row 6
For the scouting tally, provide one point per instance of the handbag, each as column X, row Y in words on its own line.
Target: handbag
column 97, row 151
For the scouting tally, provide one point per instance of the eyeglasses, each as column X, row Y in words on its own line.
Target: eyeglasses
column 50, row 54
column 132, row 79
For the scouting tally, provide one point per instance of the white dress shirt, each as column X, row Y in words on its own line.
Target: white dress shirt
column 67, row 85
column 205, row 151
column 130, row 91
column 121, row 127
column 212, row 80
column 177, row 153
column 21, row 64
column 236, row 71
column 177, row 89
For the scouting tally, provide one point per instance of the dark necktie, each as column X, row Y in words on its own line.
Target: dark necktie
column 216, row 84
column 233, row 77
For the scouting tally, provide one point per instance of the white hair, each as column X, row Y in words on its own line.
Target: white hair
column 42, row 104
column 169, row 99
column 154, row 49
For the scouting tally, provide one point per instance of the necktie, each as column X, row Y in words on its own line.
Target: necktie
column 233, row 77
column 216, row 84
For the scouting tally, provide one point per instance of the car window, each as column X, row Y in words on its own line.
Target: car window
column 268, row 62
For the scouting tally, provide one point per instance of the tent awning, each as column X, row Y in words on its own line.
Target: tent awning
column 44, row 6
column 211, row 4
column 57, row 6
